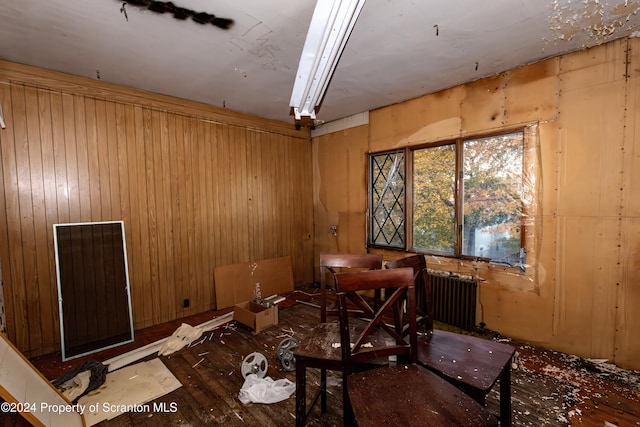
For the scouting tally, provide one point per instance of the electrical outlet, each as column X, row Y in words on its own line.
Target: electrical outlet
column 186, row 303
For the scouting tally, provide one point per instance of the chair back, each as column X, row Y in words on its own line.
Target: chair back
column 417, row 262
column 424, row 304
column 333, row 263
column 369, row 344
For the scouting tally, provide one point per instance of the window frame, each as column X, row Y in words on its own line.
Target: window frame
column 370, row 198
column 458, row 142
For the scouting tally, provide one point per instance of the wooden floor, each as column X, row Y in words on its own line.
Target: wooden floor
column 549, row 388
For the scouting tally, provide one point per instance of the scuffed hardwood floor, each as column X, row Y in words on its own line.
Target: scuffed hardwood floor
column 548, row 388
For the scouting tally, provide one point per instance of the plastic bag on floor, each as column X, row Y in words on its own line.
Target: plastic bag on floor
column 265, row 390
column 81, row 380
column 76, row 386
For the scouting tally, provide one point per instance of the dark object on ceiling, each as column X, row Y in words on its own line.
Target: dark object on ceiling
column 181, row 13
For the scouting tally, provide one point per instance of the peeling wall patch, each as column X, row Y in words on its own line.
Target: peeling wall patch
column 592, row 21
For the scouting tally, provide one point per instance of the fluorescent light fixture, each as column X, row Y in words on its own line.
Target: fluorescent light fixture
column 329, row 31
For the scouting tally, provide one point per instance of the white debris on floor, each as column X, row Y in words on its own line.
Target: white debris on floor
column 579, row 386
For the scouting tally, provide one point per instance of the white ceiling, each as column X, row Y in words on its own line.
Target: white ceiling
column 399, row 49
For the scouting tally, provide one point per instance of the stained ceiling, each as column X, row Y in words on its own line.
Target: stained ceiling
column 243, row 54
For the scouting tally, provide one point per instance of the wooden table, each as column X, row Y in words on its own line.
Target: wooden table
column 473, row 364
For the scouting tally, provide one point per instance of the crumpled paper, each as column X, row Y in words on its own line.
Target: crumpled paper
column 183, row 336
column 265, row 390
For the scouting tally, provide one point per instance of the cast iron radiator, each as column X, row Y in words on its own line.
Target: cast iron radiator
column 454, row 300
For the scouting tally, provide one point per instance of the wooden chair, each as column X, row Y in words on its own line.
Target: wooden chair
column 330, row 263
column 406, row 393
column 317, row 351
column 471, row 363
column 424, row 309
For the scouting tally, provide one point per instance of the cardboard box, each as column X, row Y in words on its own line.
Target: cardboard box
column 237, row 282
column 255, row 316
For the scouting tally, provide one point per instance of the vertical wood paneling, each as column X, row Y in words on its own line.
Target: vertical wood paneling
column 71, row 157
column 110, row 154
column 82, row 158
column 25, row 237
column 150, row 137
column 212, row 187
column 200, row 190
column 226, row 256
column 8, row 199
column 251, row 194
column 216, row 196
column 192, row 193
column 101, row 159
column 179, row 188
column 41, row 294
column 4, row 239
column 59, row 158
column 169, row 185
column 270, row 169
column 255, row 194
column 165, row 239
column 285, row 183
column 48, row 281
column 240, row 193
column 189, row 238
column 142, row 128
column 279, row 203
column 303, row 177
column 232, row 227
column 31, row 207
column 213, row 195
column 180, row 239
column 261, row 199
column 93, row 184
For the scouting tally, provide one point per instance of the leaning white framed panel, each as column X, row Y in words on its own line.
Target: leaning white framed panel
column 94, row 296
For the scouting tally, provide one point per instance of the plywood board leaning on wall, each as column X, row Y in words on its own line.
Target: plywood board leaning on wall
column 628, row 294
column 236, row 282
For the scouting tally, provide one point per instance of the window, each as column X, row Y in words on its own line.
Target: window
column 387, row 199
column 464, row 198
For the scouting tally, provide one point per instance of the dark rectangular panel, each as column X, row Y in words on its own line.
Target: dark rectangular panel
column 93, row 287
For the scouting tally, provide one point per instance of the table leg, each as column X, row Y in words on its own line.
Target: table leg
column 323, row 390
column 301, row 394
column 505, row 397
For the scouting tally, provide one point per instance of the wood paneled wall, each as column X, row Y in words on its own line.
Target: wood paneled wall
column 195, row 185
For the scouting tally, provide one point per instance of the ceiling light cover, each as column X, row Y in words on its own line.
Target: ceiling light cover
column 329, row 31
